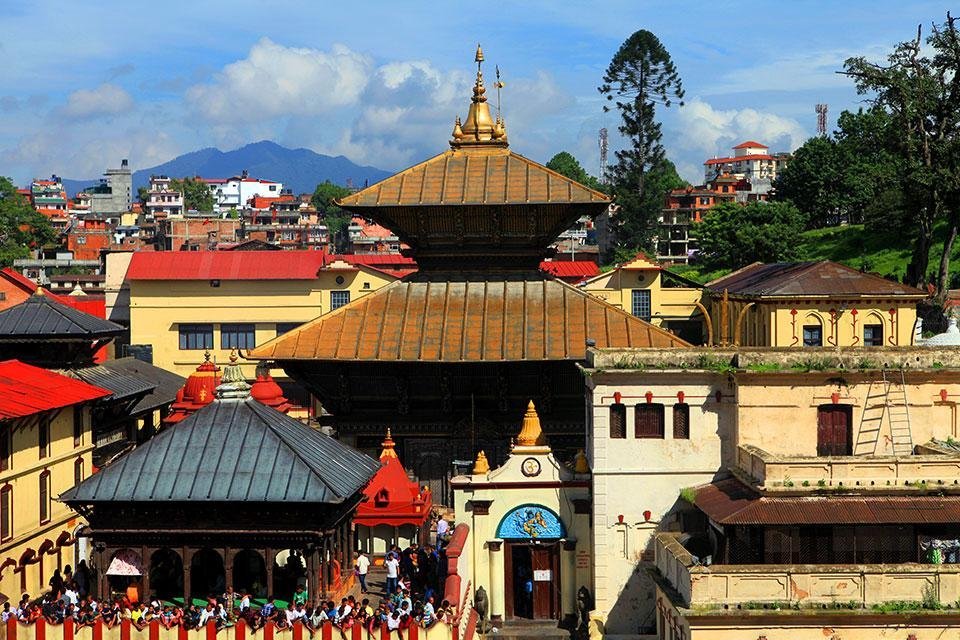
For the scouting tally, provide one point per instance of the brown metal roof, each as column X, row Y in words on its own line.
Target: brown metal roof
column 823, row 278
column 474, row 176
column 463, row 320
column 733, row 503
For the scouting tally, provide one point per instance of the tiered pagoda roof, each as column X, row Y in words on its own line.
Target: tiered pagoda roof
column 197, row 392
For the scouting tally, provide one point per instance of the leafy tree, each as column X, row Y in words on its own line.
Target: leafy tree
column 919, row 88
column 640, row 76
column 196, row 193
column 566, row 165
column 734, row 235
column 661, row 178
column 143, row 195
column 337, row 220
column 22, row 228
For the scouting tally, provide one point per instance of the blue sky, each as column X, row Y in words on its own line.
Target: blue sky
column 85, row 84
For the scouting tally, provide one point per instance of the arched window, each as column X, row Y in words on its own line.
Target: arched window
column 812, row 331
column 618, row 420
column 77, row 471
column 44, row 497
column 873, row 331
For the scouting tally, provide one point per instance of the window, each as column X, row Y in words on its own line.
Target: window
column 77, row 471
column 618, row 420
column 640, row 304
column 286, row 327
column 338, row 299
column 648, row 421
column 812, row 335
column 77, row 426
column 6, row 433
column 196, row 336
column 873, row 335
column 238, row 336
column 44, row 497
column 6, row 513
column 43, row 435
column 681, row 421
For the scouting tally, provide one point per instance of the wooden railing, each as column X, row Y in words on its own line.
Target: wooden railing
column 804, row 585
column 773, row 472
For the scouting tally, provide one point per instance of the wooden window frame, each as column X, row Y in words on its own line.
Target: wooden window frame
column 682, row 409
column 6, row 446
column 6, row 513
column 43, row 435
column 45, row 501
column 77, row 425
column 618, row 410
column 77, row 471
column 649, row 408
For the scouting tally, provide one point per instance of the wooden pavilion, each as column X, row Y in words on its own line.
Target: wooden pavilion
column 214, row 499
column 446, row 356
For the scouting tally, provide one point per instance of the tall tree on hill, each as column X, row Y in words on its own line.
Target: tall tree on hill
column 640, row 77
column 196, row 193
column 566, row 165
column 921, row 93
column 735, row 235
column 22, row 228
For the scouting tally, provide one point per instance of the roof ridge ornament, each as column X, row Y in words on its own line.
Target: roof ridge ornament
column 480, row 129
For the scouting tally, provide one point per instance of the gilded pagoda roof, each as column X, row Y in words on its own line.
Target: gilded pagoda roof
column 474, row 176
column 485, row 319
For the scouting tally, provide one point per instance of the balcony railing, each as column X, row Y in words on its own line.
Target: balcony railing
column 932, row 466
column 863, row 585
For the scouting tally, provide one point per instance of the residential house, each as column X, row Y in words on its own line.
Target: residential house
column 235, row 192
column 750, row 160
column 162, row 200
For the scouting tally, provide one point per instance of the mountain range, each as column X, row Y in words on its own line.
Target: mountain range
column 298, row 169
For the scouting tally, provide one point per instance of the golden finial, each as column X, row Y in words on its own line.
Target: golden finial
column 481, row 465
column 580, row 462
column 457, row 130
column 233, row 355
column 388, row 447
column 531, row 434
column 479, row 57
column 206, row 355
column 479, row 127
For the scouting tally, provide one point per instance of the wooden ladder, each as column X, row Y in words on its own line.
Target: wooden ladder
column 885, row 398
column 899, row 415
column 874, row 408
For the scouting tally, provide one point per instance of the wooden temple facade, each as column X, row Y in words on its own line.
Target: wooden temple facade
column 446, row 357
column 235, row 494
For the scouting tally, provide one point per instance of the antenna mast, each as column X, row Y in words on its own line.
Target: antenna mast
column 821, row 119
column 603, row 155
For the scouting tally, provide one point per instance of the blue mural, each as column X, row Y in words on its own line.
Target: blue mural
column 530, row 521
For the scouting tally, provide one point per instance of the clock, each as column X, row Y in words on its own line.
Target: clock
column 530, row 467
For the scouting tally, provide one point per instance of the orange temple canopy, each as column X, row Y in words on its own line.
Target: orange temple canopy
column 392, row 498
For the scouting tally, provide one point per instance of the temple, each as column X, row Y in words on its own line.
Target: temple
column 447, row 355
column 395, row 508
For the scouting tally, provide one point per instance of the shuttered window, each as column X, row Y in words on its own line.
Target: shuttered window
column 6, row 513
column 648, row 421
column 44, row 497
column 618, row 421
column 681, row 421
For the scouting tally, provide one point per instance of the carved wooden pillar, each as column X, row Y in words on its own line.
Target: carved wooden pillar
column 186, row 555
column 229, row 554
column 145, row 574
column 269, row 558
column 311, row 561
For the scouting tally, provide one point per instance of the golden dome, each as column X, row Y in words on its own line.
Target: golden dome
column 531, row 435
column 479, row 127
column 481, row 465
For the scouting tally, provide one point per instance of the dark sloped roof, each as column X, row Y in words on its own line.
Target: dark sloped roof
column 823, row 278
column 165, row 383
column 731, row 502
column 121, row 385
column 256, row 454
column 40, row 317
column 490, row 319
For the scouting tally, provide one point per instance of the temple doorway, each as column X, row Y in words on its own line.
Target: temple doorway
column 166, row 574
column 250, row 573
column 207, row 577
column 532, row 580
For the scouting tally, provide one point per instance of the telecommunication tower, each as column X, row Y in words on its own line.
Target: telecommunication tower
column 603, row 155
column 821, row 119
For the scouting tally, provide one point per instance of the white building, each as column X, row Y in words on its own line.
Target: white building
column 235, row 192
column 751, row 161
column 162, row 199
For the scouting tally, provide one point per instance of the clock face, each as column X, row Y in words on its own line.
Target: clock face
column 530, row 467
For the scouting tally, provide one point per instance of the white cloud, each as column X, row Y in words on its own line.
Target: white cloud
column 105, row 100
column 274, row 80
column 713, row 131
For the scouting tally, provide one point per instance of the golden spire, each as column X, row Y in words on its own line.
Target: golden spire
column 479, row 128
column 388, row 444
column 531, row 435
column 481, row 465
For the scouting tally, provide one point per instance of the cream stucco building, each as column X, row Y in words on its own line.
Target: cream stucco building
column 529, row 539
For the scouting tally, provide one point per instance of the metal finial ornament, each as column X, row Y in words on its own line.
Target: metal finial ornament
column 479, row 57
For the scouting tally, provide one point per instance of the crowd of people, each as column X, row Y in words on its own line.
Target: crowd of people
column 413, row 577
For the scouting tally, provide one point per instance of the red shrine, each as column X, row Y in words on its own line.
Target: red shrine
column 197, row 393
column 392, row 498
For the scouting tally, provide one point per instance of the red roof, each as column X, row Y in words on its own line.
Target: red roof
column 751, row 144
column 26, row 390
column 226, row 265
column 197, row 392
column 575, row 270
column 29, row 286
column 264, row 202
column 392, row 498
column 756, row 156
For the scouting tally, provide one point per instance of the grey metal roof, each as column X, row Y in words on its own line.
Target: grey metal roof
column 232, row 451
column 41, row 317
column 122, row 386
column 166, row 383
